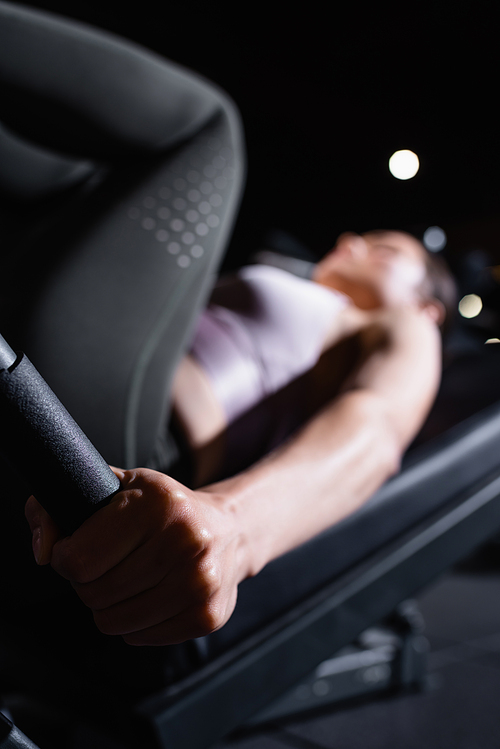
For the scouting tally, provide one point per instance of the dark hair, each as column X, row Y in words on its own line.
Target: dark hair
column 440, row 284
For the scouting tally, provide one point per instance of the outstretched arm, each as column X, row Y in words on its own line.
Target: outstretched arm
column 347, row 451
column 161, row 564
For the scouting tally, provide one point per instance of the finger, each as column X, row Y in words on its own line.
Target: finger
column 147, row 609
column 173, row 632
column 101, row 542
column 179, row 547
column 180, row 589
column 142, row 570
column 135, row 514
column 45, row 532
column 119, row 472
column 197, row 621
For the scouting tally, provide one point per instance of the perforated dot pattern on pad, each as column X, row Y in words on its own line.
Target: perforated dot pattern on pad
column 184, row 210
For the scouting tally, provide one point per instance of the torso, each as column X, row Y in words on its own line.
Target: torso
column 203, row 421
column 201, row 417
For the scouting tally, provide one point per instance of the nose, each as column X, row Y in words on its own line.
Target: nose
column 354, row 244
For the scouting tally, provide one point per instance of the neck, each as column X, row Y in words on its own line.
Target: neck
column 361, row 296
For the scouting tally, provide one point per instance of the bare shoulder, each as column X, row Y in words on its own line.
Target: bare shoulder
column 406, row 332
column 409, row 328
column 401, row 365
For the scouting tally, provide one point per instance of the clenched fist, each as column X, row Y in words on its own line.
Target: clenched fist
column 159, row 565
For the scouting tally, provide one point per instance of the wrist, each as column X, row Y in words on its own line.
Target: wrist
column 247, row 523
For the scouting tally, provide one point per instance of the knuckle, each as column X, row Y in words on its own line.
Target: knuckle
column 208, row 581
column 169, row 499
column 179, row 518
column 89, row 596
column 70, row 564
column 104, row 623
column 192, row 538
column 208, row 618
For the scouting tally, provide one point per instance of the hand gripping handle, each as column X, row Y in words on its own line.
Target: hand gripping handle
column 40, row 439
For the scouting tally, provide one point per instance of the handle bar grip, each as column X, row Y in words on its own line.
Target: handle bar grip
column 40, row 439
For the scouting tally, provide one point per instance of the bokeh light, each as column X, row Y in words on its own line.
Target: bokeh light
column 470, row 305
column 404, row 164
column 434, row 239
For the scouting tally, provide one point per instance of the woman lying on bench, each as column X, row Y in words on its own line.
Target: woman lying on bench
column 328, row 378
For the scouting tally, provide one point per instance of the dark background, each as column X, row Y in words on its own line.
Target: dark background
column 328, row 92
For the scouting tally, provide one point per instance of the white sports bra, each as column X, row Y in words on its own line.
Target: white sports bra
column 263, row 328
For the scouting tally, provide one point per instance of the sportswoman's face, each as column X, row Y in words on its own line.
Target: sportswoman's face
column 379, row 268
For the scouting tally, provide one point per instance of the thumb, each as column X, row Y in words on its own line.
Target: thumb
column 44, row 531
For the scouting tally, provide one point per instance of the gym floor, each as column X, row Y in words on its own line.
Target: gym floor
column 458, row 709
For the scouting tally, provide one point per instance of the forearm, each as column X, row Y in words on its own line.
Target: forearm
column 161, row 563
column 320, row 476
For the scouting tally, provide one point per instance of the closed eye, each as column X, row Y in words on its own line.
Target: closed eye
column 391, row 249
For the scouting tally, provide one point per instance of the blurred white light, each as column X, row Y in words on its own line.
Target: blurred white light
column 470, row 305
column 493, row 340
column 434, row 238
column 404, row 164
